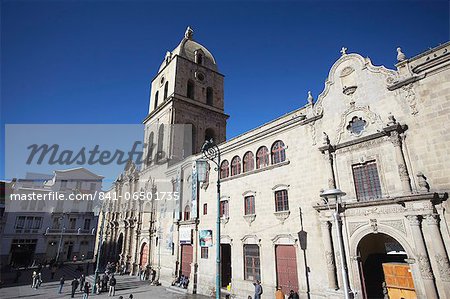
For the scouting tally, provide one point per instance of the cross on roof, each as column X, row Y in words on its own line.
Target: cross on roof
column 344, row 51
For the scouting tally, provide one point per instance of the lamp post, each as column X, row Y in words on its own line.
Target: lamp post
column 99, row 248
column 61, row 223
column 211, row 152
column 337, row 194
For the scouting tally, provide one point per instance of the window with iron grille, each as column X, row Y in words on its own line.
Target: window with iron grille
column 262, row 157
column 224, row 208
column 235, row 166
column 367, row 181
column 278, row 154
column 248, row 163
column 204, row 253
column 281, row 201
column 224, row 170
column 251, row 262
column 249, row 205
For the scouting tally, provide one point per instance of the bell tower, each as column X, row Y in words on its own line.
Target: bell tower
column 188, row 89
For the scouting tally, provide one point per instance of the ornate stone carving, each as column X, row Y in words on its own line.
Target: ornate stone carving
column 374, row 225
column 371, row 117
column 403, row 172
column 432, row 219
column 353, row 226
column 423, row 184
column 313, row 133
column 410, row 96
column 329, row 258
column 400, row 55
column 189, row 33
column 282, row 216
column 424, row 266
column 310, row 98
column 375, row 210
column 397, row 224
column 394, row 137
column 250, row 219
column 414, row 220
column 443, row 267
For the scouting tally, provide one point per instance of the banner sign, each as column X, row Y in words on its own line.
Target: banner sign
column 194, row 190
column 185, row 235
column 206, row 239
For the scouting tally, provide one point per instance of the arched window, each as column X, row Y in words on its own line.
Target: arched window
column 235, row 166
column 156, row 99
column 248, row 164
column 198, row 58
column 190, row 89
column 262, row 157
column 278, row 154
column 187, row 213
column 224, row 169
column 166, row 89
column 209, row 96
column 150, row 147
column 160, row 152
column 209, row 134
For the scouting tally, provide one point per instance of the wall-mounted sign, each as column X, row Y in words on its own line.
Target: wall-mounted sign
column 206, row 238
column 185, row 235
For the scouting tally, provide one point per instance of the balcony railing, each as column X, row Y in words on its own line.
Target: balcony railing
column 71, row 232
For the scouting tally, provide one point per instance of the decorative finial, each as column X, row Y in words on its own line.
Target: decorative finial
column 400, row 55
column 189, row 33
column 310, row 98
column 344, row 51
column 391, row 120
column 325, row 139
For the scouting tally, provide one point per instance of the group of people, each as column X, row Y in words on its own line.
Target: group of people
column 36, row 279
column 107, row 281
column 147, row 273
column 85, row 286
column 278, row 293
column 182, row 281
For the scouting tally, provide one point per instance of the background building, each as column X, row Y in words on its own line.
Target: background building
column 42, row 230
column 381, row 135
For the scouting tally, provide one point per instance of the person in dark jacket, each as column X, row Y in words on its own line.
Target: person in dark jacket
column 61, row 284
column 293, row 295
column 258, row 290
column 74, row 286
column 112, row 286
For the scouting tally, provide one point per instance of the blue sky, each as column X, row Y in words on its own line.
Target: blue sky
column 91, row 62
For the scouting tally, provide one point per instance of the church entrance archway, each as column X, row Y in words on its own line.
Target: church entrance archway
column 383, row 268
column 119, row 248
column 144, row 255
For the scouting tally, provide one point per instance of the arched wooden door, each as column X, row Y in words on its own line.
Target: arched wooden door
column 144, row 255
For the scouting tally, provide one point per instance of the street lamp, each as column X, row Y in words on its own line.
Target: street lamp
column 61, row 223
column 100, row 245
column 211, row 152
column 337, row 194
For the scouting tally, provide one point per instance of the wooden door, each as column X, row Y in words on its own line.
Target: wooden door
column 399, row 281
column 286, row 264
column 186, row 259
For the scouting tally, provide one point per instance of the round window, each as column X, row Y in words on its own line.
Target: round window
column 200, row 76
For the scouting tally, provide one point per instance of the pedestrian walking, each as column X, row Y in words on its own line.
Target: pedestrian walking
column 87, row 290
column 61, row 284
column 82, row 280
column 258, row 290
column 33, row 279
column 112, row 286
column 279, row 293
column 39, row 280
column 74, row 286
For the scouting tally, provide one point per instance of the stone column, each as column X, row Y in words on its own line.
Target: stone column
column 329, row 256
column 440, row 254
column 422, row 257
column 329, row 161
column 395, row 138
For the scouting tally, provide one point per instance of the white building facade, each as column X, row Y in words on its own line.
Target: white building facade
column 380, row 135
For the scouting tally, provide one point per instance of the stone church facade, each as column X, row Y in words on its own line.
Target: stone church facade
column 380, row 135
